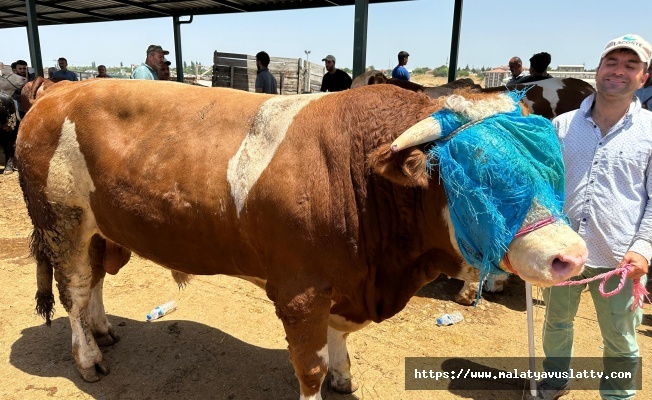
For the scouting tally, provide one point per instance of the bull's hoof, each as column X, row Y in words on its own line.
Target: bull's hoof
column 345, row 386
column 103, row 367
column 107, row 339
column 465, row 300
column 89, row 374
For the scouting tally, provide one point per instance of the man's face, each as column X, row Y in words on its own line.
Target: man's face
column 101, row 70
column 404, row 60
column 21, row 70
column 156, row 60
column 164, row 73
column 63, row 64
column 330, row 65
column 620, row 73
column 515, row 67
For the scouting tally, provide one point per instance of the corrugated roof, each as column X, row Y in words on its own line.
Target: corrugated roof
column 13, row 13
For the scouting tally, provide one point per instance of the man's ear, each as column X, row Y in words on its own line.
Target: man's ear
column 406, row 167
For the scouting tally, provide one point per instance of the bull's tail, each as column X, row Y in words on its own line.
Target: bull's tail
column 44, row 275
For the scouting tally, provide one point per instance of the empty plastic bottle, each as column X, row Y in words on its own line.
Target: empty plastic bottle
column 450, row 319
column 162, row 310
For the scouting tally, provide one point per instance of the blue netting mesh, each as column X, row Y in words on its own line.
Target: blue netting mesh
column 492, row 171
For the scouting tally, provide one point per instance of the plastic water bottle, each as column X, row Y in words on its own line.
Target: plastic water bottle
column 450, row 319
column 162, row 310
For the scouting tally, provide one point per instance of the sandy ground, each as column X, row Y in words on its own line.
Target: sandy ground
column 225, row 342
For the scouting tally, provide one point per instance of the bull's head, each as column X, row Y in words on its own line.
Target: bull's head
column 503, row 175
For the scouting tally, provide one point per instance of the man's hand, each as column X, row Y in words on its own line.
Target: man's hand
column 639, row 264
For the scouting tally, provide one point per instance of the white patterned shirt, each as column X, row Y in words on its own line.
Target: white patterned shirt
column 609, row 182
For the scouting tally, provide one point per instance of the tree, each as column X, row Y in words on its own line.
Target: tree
column 347, row 70
column 185, row 65
column 462, row 73
column 440, row 71
column 420, row 70
column 93, row 65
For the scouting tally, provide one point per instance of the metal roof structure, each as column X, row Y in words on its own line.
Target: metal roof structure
column 34, row 13
column 56, row 12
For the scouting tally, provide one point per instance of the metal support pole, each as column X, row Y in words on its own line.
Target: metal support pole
column 177, row 45
column 455, row 40
column 360, row 37
column 33, row 38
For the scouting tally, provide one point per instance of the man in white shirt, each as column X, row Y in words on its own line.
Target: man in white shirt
column 607, row 146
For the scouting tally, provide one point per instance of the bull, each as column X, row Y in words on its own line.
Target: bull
column 309, row 197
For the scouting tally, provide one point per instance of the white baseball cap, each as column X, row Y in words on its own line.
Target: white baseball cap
column 632, row 42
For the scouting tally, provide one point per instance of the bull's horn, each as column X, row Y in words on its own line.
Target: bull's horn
column 425, row 131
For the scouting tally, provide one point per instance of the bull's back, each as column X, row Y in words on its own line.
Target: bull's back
column 149, row 160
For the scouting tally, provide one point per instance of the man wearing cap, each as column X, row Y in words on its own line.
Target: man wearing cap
column 607, row 148
column 64, row 74
column 644, row 94
column 334, row 79
column 400, row 72
column 153, row 63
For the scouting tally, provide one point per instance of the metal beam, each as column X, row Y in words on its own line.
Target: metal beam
column 24, row 14
column 360, row 37
column 33, row 38
column 455, row 40
column 142, row 6
column 78, row 11
column 177, row 45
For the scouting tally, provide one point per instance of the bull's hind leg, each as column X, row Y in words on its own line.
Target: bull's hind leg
column 305, row 319
column 65, row 241
column 104, row 255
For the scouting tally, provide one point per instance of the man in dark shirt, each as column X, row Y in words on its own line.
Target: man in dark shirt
column 335, row 79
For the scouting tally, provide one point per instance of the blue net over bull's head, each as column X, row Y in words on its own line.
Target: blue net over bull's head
column 495, row 164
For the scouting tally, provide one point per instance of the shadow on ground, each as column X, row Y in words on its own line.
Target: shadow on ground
column 445, row 289
column 165, row 359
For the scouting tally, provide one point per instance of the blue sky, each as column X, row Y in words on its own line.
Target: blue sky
column 573, row 31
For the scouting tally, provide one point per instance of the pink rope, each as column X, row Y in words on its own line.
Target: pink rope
column 638, row 291
column 535, row 226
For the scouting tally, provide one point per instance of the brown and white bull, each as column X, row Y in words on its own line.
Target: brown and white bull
column 298, row 194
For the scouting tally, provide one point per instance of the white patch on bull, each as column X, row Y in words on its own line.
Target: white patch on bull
column 344, row 325
column 550, row 89
column 261, row 283
column 339, row 363
column 259, row 146
column 69, row 181
column 477, row 110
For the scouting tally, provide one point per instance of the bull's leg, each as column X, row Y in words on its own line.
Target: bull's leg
column 305, row 319
column 339, row 363
column 467, row 294
column 65, row 240
column 102, row 329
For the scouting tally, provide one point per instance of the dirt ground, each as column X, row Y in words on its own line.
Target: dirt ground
column 225, row 342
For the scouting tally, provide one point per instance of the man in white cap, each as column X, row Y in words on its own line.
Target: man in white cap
column 607, row 146
column 334, row 79
column 153, row 63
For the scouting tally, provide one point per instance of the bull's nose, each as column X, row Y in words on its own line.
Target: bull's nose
column 568, row 265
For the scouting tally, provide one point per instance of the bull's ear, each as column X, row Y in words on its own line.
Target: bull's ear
column 406, row 168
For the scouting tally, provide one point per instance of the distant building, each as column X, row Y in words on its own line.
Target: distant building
column 496, row 76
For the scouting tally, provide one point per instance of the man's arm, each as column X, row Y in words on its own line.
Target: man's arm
column 640, row 251
column 260, row 83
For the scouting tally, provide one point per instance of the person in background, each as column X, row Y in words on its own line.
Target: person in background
column 164, row 72
column 516, row 67
column 400, row 72
column 64, row 73
column 644, row 94
column 101, row 72
column 265, row 81
column 538, row 68
column 153, row 62
column 334, row 79
column 607, row 150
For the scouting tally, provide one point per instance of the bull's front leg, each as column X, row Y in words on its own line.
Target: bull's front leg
column 305, row 319
column 339, row 362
